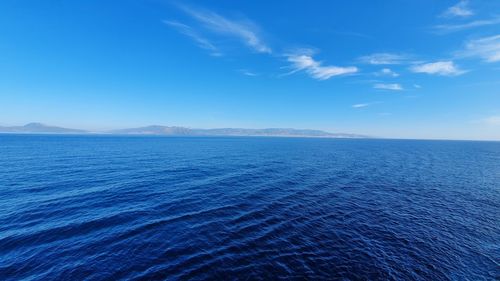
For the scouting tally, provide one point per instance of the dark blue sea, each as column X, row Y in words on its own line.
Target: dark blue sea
column 214, row 208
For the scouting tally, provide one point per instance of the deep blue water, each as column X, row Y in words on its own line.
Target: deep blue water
column 154, row 208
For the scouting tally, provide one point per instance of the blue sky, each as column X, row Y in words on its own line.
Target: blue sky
column 395, row 68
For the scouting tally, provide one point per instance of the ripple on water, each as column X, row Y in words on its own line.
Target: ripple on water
column 144, row 208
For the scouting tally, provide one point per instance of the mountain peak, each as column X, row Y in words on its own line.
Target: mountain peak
column 34, row 125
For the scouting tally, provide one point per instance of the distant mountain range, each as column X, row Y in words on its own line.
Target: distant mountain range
column 181, row 131
column 40, row 129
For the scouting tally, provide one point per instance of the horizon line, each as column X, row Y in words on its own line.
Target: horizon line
column 110, row 132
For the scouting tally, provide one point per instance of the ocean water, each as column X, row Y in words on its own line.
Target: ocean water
column 173, row 208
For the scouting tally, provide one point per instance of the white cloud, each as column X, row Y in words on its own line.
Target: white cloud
column 444, row 68
column 360, row 105
column 461, row 9
column 245, row 30
column 303, row 60
column 446, row 28
column 387, row 72
column 417, row 86
column 487, row 48
column 247, row 72
column 191, row 33
column 492, row 120
column 392, row 87
column 384, row 58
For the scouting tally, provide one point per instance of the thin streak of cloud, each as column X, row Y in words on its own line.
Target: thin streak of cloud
column 384, row 58
column 247, row 72
column 487, row 48
column 191, row 33
column 443, row 68
column 246, row 31
column 302, row 60
column 448, row 28
column 360, row 105
column 392, row 87
column 461, row 9
column 366, row 104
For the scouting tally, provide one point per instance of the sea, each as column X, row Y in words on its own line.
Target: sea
column 91, row 207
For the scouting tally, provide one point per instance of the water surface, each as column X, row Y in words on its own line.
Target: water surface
column 154, row 208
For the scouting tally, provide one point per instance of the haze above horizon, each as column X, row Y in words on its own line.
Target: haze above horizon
column 403, row 69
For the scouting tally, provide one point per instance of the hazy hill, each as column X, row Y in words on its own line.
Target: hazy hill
column 39, row 128
column 182, row 131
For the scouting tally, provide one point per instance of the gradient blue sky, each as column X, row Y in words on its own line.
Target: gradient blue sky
column 395, row 68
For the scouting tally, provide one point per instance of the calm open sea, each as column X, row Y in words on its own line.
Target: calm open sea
column 154, row 208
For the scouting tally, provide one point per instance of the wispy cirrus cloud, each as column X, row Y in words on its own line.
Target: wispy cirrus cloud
column 384, row 58
column 392, row 87
column 443, row 68
column 248, row 32
column 363, row 105
column 487, row 48
column 360, row 105
column 302, row 60
column 244, row 30
column 386, row 72
column 201, row 41
column 448, row 28
column 247, row 72
column 461, row 9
